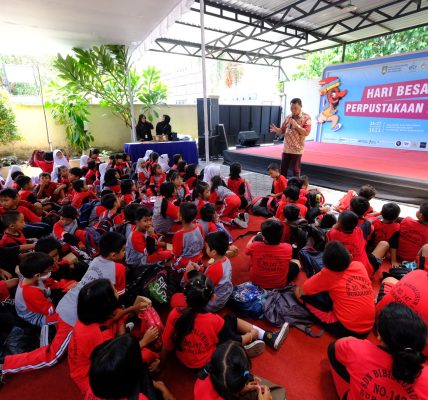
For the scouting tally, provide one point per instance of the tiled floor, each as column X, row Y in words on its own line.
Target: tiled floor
column 261, row 185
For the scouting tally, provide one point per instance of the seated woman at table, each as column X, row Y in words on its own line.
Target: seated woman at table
column 163, row 127
column 144, row 129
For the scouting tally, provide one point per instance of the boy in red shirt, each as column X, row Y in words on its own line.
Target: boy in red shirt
column 67, row 229
column 112, row 212
column 26, row 188
column 48, row 190
column 14, row 224
column 413, row 235
column 279, row 181
column 349, row 287
column 291, row 196
column 354, row 238
column 91, row 174
column 270, row 260
column 82, row 194
column 188, row 242
column 386, row 227
column 142, row 245
column 32, row 300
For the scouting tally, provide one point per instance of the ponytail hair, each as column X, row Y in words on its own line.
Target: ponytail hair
column 199, row 189
column 404, row 334
column 198, row 292
column 230, row 370
column 167, row 191
column 154, row 167
column 216, row 181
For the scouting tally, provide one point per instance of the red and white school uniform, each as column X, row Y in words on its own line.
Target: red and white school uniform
column 47, row 356
column 199, row 204
column 163, row 224
column 199, row 345
column 269, row 264
column 48, row 190
column 281, row 206
column 79, row 198
column 279, row 184
column 27, row 195
column 220, row 273
column 91, row 176
column 351, row 293
column 29, row 215
column 45, row 166
column 231, row 203
column 137, row 252
column 187, row 245
column 370, row 373
column 157, row 180
column 13, row 240
column 383, row 231
column 60, row 230
column 237, row 186
column 413, row 235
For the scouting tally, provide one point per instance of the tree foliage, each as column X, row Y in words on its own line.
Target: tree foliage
column 152, row 92
column 8, row 129
column 395, row 43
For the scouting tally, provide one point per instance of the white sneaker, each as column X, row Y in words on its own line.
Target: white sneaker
column 255, row 348
column 241, row 223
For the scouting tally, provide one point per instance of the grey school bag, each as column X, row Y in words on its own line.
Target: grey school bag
column 282, row 306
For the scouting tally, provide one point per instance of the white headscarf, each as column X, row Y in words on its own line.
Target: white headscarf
column 210, row 171
column 9, row 180
column 102, row 168
column 147, row 155
column 58, row 162
column 163, row 162
column 139, row 169
column 84, row 161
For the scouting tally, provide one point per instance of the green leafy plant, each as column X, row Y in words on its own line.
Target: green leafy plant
column 8, row 129
column 152, row 93
column 70, row 109
column 103, row 73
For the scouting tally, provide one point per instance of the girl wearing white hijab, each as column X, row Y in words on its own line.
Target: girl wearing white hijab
column 9, row 180
column 59, row 160
column 142, row 171
column 84, row 161
column 163, row 162
column 147, row 155
column 102, row 169
column 210, row 171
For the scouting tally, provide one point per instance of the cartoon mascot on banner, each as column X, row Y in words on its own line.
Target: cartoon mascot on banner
column 330, row 87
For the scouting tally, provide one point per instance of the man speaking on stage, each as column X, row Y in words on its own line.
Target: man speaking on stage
column 295, row 128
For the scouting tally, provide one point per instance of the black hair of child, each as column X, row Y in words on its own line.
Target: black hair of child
column 188, row 212
column 143, row 212
column 76, row 171
column 110, row 178
column 404, row 333
column 359, row 205
column 68, row 212
column 291, row 212
column 78, row 185
column 207, row 212
column 22, row 180
column 109, row 201
column 235, row 171
column 218, row 241
column 328, row 221
column 273, row 167
column 295, row 181
column 9, row 193
column 15, row 175
column 35, row 263
column 154, row 157
column 176, row 158
column 126, row 186
column 292, row 192
column 367, row 191
column 390, row 211
column 181, row 166
column 336, row 256
column 92, row 164
column 96, row 302
column 45, row 175
column 130, row 211
column 348, row 221
column 199, row 190
column 423, row 209
column 46, row 244
column 272, row 231
column 10, row 217
column 111, row 242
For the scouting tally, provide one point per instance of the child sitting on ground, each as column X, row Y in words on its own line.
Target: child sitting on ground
column 188, row 242
column 165, row 212
column 181, row 191
column 32, row 300
column 279, row 181
column 48, row 190
column 129, row 191
column 229, row 213
column 91, row 174
column 413, row 235
column 66, row 230
column 361, row 368
column 210, row 222
column 14, row 223
column 270, row 260
column 142, row 245
column 143, row 174
column 360, row 206
column 352, row 311
column 237, row 184
column 386, row 227
column 176, row 158
column 291, row 196
column 112, row 181
column 26, row 187
column 201, row 195
column 193, row 328
column 190, row 178
column 157, row 177
column 354, row 238
column 82, row 194
column 366, row 191
column 112, row 217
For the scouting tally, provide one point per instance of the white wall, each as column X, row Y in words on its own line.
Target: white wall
column 308, row 92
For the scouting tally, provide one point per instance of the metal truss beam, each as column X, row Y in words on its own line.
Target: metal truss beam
column 367, row 20
column 173, row 46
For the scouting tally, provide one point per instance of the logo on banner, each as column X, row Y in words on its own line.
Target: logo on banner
column 330, row 87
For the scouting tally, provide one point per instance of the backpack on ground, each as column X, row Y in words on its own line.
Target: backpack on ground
column 281, row 306
column 264, row 206
column 106, row 223
column 317, row 237
column 247, row 300
column 92, row 241
column 315, row 198
column 298, row 235
column 87, row 214
column 311, row 261
column 122, row 228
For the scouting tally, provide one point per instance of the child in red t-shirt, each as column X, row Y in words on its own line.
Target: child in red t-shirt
column 279, row 181
column 394, row 369
column 112, row 180
column 143, row 246
column 112, row 212
column 91, row 173
column 129, row 191
column 190, row 178
column 66, row 230
column 237, row 184
column 100, row 319
column 157, row 177
column 26, row 188
column 176, row 158
column 47, row 190
column 14, row 224
column 270, row 260
column 352, row 311
column 413, row 235
column 291, row 196
column 386, row 227
column 225, row 377
column 210, row 221
column 193, row 333
column 82, row 194
column 32, row 300
column 181, row 191
column 188, row 242
column 201, row 195
column 354, row 238
column 143, row 173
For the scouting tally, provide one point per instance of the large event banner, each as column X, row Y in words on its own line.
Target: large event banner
column 380, row 103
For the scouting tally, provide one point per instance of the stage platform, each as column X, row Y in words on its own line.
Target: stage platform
column 398, row 175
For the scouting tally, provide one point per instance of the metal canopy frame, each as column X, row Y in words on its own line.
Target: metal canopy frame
column 249, row 42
